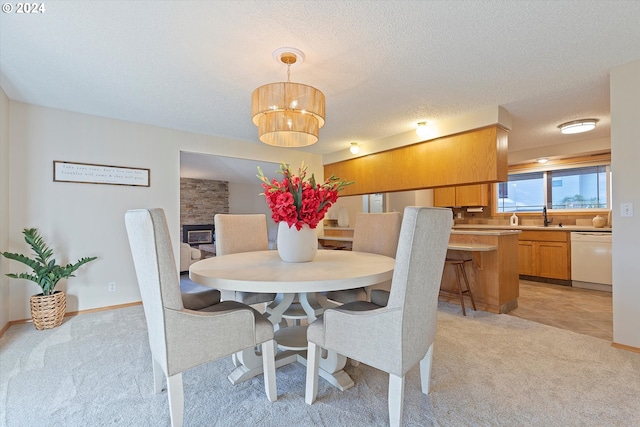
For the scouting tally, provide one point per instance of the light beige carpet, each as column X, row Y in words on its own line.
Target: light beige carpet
column 489, row 370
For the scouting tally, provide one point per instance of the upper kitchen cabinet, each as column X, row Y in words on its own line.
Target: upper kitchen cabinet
column 478, row 155
column 462, row 195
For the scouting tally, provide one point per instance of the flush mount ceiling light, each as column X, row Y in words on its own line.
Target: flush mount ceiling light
column 422, row 130
column 288, row 114
column 578, row 126
column 543, row 160
column 355, row 148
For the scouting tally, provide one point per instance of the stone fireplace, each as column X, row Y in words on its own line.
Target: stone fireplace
column 200, row 201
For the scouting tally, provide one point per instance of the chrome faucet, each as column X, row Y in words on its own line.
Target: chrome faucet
column 544, row 214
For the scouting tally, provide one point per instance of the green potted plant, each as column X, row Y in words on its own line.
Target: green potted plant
column 49, row 307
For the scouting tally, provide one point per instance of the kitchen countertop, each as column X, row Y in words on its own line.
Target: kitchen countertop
column 569, row 228
column 490, row 231
column 486, row 231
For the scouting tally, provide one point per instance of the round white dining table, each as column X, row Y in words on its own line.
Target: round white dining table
column 264, row 271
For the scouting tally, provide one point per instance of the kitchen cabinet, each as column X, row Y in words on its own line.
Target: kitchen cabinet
column 462, row 195
column 545, row 254
column 478, row 155
column 493, row 273
column 526, row 265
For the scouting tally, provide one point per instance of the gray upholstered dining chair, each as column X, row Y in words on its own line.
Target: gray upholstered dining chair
column 180, row 338
column 242, row 233
column 374, row 233
column 396, row 337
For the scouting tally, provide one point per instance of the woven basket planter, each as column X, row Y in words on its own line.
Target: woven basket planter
column 47, row 311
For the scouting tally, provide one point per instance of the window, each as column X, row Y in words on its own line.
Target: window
column 573, row 188
column 521, row 193
column 579, row 188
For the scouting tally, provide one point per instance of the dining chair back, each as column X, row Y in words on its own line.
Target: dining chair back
column 180, row 338
column 236, row 233
column 396, row 337
column 375, row 233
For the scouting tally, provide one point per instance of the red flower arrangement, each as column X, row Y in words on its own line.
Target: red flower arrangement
column 297, row 201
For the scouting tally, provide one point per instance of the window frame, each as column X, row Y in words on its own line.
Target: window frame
column 603, row 159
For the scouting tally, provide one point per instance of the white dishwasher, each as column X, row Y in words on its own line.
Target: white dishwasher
column 591, row 260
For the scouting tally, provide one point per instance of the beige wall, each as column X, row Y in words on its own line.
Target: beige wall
column 86, row 219
column 625, row 157
column 4, row 206
column 395, row 202
column 246, row 198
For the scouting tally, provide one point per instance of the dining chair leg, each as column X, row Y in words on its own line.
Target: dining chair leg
column 313, row 363
column 176, row 399
column 396, row 399
column 425, row 370
column 269, row 363
column 158, row 376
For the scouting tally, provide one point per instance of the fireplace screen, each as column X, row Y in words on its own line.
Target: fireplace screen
column 197, row 234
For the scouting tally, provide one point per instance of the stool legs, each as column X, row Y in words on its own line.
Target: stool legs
column 461, row 275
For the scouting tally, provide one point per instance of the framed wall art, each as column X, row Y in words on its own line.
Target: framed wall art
column 89, row 173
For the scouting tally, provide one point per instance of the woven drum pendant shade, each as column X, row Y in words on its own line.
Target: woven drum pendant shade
column 288, row 114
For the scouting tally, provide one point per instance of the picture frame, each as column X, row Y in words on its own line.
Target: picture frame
column 90, row 173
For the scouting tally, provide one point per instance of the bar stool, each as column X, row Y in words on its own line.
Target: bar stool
column 458, row 265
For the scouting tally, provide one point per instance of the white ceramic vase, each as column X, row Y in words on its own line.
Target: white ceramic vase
column 343, row 217
column 297, row 245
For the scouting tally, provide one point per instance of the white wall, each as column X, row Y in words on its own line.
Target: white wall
column 87, row 219
column 625, row 158
column 4, row 207
column 424, row 197
column 396, row 201
column 246, row 198
column 353, row 205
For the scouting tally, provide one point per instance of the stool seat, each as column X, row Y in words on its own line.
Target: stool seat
column 461, row 275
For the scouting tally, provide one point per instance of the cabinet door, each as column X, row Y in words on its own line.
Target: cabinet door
column 472, row 195
column 552, row 260
column 526, row 261
column 444, row 197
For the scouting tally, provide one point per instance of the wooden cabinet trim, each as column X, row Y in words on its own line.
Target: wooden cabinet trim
column 544, row 236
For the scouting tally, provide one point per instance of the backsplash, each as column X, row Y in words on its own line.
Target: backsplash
column 527, row 219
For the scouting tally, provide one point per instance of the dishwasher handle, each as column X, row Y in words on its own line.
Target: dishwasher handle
column 586, row 236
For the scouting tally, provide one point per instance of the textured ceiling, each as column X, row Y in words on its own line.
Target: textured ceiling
column 383, row 65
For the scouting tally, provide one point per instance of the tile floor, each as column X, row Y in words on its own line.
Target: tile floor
column 580, row 310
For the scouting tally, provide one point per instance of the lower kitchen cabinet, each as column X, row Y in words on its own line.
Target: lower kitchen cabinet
column 545, row 254
column 526, row 263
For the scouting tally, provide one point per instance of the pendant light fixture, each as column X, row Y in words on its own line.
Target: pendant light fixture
column 288, row 114
column 578, row 126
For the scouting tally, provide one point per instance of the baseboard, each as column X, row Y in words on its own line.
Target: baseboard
column 72, row 313
column 4, row 329
column 625, row 347
column 592, row 286
column 546, row 280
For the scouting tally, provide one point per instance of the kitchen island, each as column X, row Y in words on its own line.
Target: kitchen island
column 493, row 273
